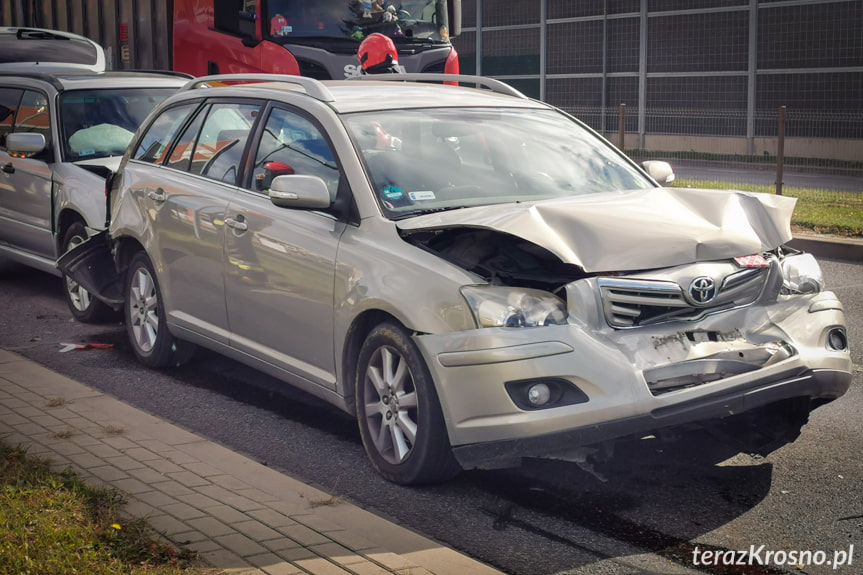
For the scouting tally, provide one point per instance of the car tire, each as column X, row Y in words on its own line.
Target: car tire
column 400, row 419
column 144, row 312
column 84, row 307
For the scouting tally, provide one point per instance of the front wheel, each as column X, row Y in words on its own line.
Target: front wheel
column 399, row 413
column 84, row 307
column 152, row 343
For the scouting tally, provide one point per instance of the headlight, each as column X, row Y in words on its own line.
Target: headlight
column 802, row 274
column 495, row 306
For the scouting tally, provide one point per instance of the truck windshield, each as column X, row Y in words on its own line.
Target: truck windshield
column 422, row 20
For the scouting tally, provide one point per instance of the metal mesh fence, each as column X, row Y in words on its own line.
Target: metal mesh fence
column 702, row 80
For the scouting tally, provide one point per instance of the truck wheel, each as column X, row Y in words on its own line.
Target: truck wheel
column 144, row 311
column 84, row 307
column 399, row 414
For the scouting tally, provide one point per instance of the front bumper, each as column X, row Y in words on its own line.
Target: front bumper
column 822, row 384
column 611, row 369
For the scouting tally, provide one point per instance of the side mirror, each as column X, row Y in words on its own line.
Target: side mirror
column 25, row 144
column 659, row 171
column 305, row 192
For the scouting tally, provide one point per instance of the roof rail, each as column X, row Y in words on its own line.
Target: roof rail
column 154, row 71
column 313, row 87
column 490, row 83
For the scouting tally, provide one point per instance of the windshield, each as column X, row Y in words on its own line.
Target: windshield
column 101, row 123
column 438, row 159
column 424, row 20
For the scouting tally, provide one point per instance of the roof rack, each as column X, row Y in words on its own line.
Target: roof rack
column 312, row 87
column 490, row 83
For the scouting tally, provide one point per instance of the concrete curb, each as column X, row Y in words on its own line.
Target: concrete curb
column 832, row 247
column 238, row 515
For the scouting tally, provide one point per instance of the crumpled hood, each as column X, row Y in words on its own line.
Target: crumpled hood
column 632, row 230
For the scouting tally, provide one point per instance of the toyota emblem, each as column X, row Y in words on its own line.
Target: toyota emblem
column 702, row 289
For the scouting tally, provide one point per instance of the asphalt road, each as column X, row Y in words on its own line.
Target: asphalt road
column 656, row 501
column 765, row 175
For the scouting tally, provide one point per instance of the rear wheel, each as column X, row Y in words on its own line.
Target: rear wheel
column 399, row 413
column 152, row 343
column 84, row 307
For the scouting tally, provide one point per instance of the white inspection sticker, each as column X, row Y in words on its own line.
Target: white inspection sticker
column 421, row 195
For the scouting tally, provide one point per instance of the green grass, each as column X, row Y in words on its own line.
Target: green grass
column 819, row 211
column 55, row 523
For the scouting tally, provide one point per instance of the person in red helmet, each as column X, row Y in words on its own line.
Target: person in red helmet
column 378, row 55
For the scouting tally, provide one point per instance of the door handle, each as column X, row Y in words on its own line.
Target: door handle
column 9, row 168
column 157, row 195
column 237, row 224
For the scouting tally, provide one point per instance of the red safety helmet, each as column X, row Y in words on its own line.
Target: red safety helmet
column 378, row 54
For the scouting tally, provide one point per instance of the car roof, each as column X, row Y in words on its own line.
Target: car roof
column 48, row 50
column 76, row 79
column 348, row 96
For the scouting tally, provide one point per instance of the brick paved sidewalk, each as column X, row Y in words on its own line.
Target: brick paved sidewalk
column 239, row 515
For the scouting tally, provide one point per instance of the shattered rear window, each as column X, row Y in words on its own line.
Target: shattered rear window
column 54, row 50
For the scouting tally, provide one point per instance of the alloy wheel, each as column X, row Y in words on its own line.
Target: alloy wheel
column 390, row 405
column 144, row 309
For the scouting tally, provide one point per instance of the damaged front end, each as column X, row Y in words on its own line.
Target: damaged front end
column 563, row 358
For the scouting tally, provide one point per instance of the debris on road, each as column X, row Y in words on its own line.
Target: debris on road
column 81, row 346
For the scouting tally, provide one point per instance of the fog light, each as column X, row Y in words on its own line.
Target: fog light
column 538, row 394
column 836, row 339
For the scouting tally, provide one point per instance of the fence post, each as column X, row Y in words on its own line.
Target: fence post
column 621, row 126
column 780, row 150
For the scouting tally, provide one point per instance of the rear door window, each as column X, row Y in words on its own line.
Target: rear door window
column 218, row 151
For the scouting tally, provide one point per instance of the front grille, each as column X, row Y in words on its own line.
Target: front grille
column 638, row 302
column 438, row 67
column 630, row 303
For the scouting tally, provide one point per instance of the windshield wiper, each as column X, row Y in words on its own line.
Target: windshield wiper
column 30, row 34
column 427, row 211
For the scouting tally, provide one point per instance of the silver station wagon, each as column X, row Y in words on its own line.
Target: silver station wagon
column 477, row 276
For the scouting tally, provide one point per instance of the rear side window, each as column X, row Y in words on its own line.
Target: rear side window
column 158, row 137
column 33, row 115
column 181, row 155
column 9, row 99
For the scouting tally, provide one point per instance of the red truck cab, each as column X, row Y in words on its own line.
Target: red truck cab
column 317, row 39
